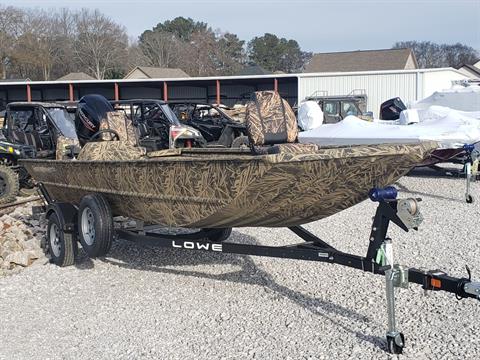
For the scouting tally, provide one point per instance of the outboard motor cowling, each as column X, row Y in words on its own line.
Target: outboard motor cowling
column 391, row 109
column 91, row 110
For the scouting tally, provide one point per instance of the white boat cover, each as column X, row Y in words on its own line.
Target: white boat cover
column 450, row 128
column 458, row 98
column 310, row 115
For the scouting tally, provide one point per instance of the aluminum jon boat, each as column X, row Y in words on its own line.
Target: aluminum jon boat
column 217, row 188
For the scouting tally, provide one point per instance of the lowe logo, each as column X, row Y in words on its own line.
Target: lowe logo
column 197, row 246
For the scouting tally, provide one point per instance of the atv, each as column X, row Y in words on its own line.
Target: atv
column 30, row 130
column 157, row 126
column 217, row 127
column 10, row 173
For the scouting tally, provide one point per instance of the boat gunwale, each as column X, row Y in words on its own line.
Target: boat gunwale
column 268, row 158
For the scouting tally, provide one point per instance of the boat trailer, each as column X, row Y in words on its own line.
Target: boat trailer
column 379, row 259
column 469, row 160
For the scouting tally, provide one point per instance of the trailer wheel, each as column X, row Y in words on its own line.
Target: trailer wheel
column 396, row 343
column 61, row 246
column 469, row 199
column 8, row 185
column 218, row 235
column 95, row 225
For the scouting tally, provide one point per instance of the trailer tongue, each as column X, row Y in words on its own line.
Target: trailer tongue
column 379, row 259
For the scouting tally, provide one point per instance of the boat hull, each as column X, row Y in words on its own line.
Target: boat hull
column 214, row 191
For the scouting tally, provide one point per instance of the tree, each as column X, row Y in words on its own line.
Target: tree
column 458, row 54
column 10, row 21
column 37, row 49
column 193, row 47
column 230, row 53
column 432, row 55
column 159, row 48
column 180, row 27
column 100, row 44
column 276, row 54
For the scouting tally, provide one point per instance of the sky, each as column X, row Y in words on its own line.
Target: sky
column 318, row 26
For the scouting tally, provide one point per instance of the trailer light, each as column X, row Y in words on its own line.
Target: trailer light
column 436, row 283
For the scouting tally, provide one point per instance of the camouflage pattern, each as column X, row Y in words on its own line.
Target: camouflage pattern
column 110, row 150
column 63, row 142
column 221, row 189
column 118, row 122
column 164, row 152
column 269, row 114
column 294, row 148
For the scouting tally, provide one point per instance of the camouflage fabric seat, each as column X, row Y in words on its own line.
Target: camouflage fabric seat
column 118, row 122
column 271, row 121
column 111, row 151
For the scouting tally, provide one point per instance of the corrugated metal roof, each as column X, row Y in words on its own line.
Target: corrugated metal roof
column 213, row 78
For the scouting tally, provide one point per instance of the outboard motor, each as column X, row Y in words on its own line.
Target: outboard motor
column 91, row 110
column 391, row 109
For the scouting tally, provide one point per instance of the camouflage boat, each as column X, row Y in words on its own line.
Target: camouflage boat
column 277, row 182
column 210, row 188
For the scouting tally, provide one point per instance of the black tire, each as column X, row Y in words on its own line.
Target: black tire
column 395, row 344
column 469, row 199
column 241, row 141
column 95, row 225
column 8, row 185
column 61, row 246
column 218, row 235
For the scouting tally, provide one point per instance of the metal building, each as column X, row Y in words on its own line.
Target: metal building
column 379, row 86
column 409, row 85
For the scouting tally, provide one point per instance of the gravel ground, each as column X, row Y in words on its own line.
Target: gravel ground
column 161, row 304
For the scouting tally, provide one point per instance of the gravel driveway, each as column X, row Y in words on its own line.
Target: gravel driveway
column 161, row 304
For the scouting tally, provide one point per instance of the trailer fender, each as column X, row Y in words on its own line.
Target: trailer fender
column 67, row 214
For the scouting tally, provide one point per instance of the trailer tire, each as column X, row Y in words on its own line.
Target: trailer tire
column 95, row 225
column 469, row 199
column 218, row 235
column 8, row 185
column 61, row 246
column 396, row 343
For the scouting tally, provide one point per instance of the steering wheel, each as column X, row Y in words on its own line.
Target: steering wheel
column 115, row 137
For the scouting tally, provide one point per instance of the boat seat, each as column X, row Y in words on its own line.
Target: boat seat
column 119, row 122
column 111, row 151
column 272, row 126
